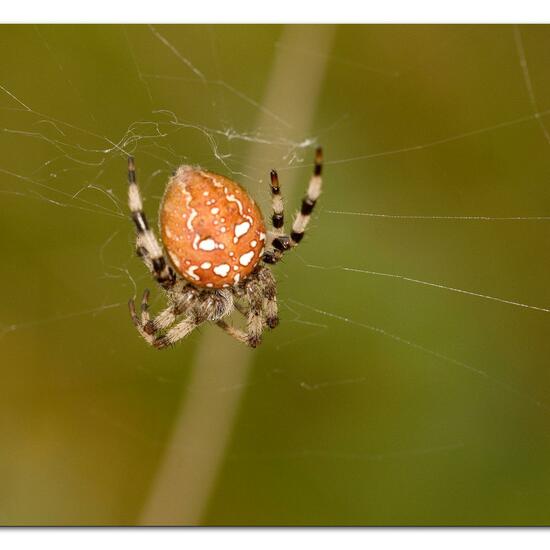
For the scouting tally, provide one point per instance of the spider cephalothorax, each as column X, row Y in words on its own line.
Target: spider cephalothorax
column 217, row 250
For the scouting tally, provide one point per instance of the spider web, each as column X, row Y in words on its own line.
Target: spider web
column 409, row 373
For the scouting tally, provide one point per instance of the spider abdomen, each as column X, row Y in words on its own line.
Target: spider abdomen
column 212, row 230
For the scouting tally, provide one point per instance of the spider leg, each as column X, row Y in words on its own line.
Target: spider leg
column 145, row 315
column 151, row 330
column 252, row 310
column 161, row 321
column 270, row 308
column 281, row 243
column 147, row 246
column 253, row 335
column 149, row 338
column 274, row 251
column 177, row 332
column 255, row 317
column 269, row 292
column 309, row 201
column 278, row 216
column 152, row 334
column 234, row 332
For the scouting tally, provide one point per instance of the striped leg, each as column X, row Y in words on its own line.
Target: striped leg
column 278, row 217
column 281, row 243
column 277, row 242
column 255, row 317
column 152, row 333
column 234, row 332
column 308, row 203
column 253, row 334
column 163, row 330
column 269, row 291
column 162, row 321
column 255, row 313
column 177, row 332
column 147, row 245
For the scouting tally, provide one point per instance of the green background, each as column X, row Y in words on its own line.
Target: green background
column 378, row 400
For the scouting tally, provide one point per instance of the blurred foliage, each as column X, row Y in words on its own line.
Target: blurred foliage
column 340, row 424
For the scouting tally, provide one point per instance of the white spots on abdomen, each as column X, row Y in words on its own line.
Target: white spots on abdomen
column 196, row 240
column 245, row 259
column 213, row 241
column 240, row 230
column 208, row 245
column 191, row 271
column 194, row 213
column 232, row 198
column 222, row 270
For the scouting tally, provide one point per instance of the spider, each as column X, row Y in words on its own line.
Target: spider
column 217, row 254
